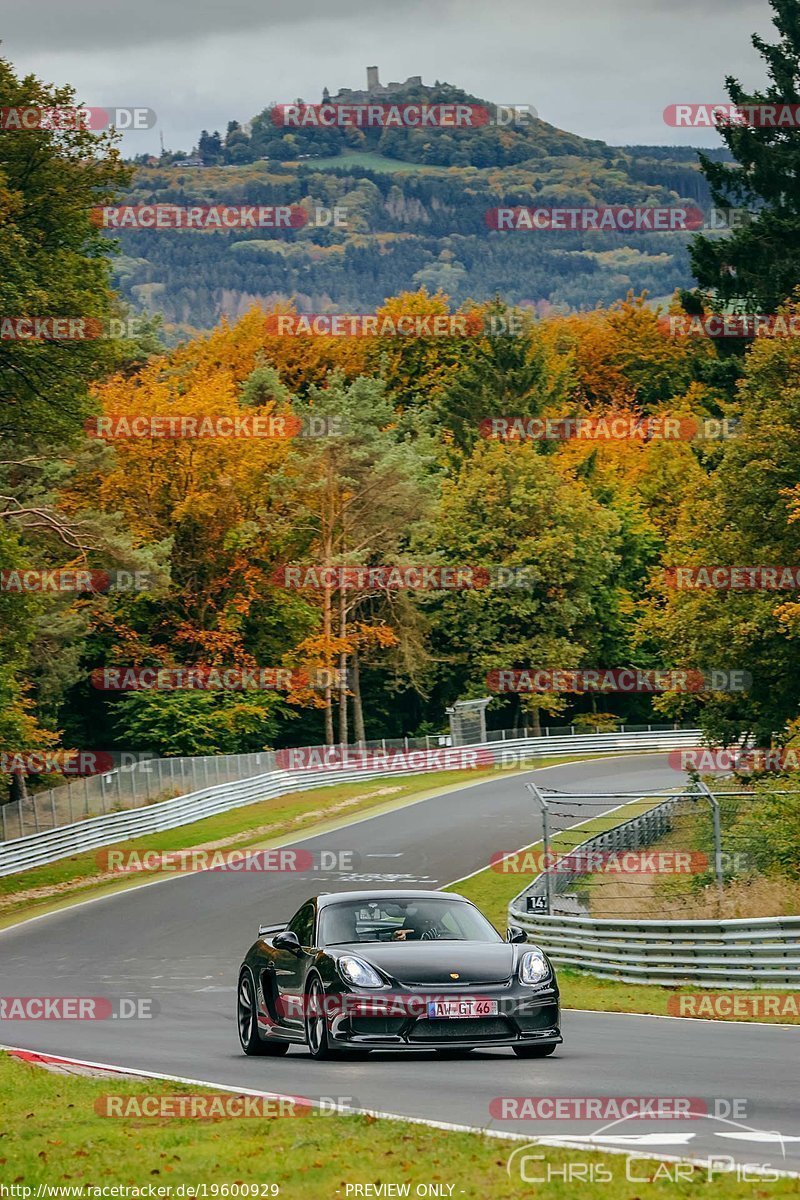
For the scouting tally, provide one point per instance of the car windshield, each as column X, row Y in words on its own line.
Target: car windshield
column 404, row 920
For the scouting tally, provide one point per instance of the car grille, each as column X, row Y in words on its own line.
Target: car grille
column 461, row 1029
column 447, row 985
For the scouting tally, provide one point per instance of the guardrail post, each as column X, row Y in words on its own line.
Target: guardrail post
column 533, row 789
column 705, row 790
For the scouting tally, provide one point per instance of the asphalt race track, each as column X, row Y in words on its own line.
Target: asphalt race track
column 181, row 942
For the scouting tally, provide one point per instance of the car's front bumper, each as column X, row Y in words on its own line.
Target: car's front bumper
column 524, row 1015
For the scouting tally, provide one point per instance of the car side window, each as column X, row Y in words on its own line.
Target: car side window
column 302, row 923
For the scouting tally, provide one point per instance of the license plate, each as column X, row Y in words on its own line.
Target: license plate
column 462, row 1008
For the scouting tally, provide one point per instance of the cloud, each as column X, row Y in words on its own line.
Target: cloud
column 601, row 70
column 51, row 25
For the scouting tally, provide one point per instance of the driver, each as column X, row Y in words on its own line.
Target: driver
column 414, row 928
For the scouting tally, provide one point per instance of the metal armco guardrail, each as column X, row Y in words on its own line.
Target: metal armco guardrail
column 736, row 953
column 19, row 854
column 762, row 952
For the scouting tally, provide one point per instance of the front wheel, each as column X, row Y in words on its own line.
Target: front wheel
column 316, row 1026
column 247, row 1020
column 534, row 1051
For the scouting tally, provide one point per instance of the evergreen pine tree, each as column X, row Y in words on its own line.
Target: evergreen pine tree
column 757, row 266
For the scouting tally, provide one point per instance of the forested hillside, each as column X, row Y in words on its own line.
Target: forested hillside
column 416, row 215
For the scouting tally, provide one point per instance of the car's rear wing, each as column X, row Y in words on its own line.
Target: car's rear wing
column 267, row 930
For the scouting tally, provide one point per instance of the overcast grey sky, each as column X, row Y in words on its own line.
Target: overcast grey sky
column 600, row 68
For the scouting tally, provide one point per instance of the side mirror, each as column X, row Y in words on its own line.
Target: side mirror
column 515, row 934
column 287, row 940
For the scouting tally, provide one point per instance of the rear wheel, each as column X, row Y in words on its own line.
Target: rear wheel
column 247, row 1020
column 534, row 1051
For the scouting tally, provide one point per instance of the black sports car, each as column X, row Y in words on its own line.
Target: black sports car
column 396, row 971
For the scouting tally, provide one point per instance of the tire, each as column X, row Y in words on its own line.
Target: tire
column 247, row 1022
column 534, row 1051
column 315, row 1026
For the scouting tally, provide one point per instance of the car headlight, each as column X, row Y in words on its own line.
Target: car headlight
column 533, row 967
column 359, row 973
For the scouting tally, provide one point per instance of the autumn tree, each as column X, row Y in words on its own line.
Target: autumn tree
column 54, row 263
column 360, row 487
column 746, row 514
column 509, row 508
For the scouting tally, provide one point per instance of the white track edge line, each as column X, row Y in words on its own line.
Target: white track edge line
column 449, row 1126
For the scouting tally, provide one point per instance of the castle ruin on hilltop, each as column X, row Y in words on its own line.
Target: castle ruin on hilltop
column 375, row 90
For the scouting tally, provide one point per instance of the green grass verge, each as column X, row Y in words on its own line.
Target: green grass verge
column 54, row 1136
column 493, row 891
column 579, row 990
column 41, row 889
